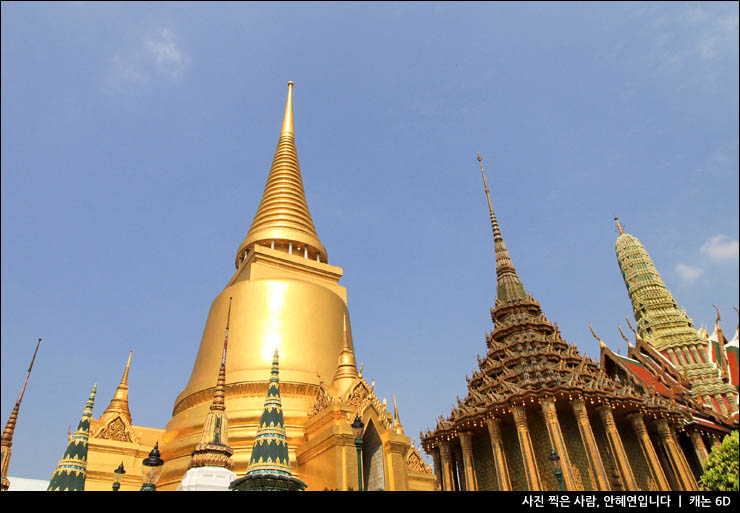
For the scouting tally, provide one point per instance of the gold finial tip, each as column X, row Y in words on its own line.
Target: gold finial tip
column 479, row 157
column 290, row 83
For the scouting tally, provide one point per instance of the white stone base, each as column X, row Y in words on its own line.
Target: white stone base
column 206, row 479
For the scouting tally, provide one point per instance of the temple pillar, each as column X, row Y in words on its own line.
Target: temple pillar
column 615, row 444
column 678, row 462
column 437, row 467
column 447, row 482
column 499, row 455
column 466, row 442
column 457, row 468
column 701, row 450
column 525, row 445
column 557, row 442
column 598, row 472
column 648, row 452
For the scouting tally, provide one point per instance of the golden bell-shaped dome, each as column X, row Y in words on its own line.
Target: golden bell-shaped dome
column 284, row 296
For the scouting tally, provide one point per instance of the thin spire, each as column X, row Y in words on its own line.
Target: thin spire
column 509, row 285
column 7, row 437
column 118, row 406
column 124, row 379
column 619, row 226
column 346, row 365
column 283, row 217
column 213, row 450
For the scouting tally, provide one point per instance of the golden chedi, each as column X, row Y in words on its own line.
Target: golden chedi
column 286, row 297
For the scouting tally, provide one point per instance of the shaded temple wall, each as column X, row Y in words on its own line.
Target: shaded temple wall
column 634, row 455
column 485, row 468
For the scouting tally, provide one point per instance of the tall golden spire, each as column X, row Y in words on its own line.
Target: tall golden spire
column 213, row 450
column 282, row 220
column 509, row 285
column 7, row 438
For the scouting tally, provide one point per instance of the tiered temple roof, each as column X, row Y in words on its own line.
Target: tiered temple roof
column 527, row 359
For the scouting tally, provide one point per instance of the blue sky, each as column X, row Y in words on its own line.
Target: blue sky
column 136, row 141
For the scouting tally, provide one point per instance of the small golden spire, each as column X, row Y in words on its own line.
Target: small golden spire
column 124, row 379
column 638, row 338
column 619, row 226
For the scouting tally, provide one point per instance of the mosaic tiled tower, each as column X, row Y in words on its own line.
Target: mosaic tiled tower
column 269, row 465
column 71, row 470
column 669, row 329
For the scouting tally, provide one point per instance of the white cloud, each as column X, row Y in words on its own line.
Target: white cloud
column 167, row 57
column 157, row 56
column 689, row 273
column 721, row 248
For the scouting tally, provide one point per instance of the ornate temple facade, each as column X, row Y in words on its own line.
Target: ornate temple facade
column 538, row 412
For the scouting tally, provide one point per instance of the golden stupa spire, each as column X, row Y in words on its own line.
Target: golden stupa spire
column 283, row 221
column 118, row 406
column 7, row 437
column 619, row 226
column 509, row 286
column 213, row 450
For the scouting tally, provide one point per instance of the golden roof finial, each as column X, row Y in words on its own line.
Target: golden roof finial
column 629, row 344
column 619, row 226
column 716, row 321
column 601, row 342
column 283, row 215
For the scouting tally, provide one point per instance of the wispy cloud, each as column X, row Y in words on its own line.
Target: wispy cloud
column 168, row 58
column 156, row 56
column 689, row 273
column 720, row 248
column 693, row 34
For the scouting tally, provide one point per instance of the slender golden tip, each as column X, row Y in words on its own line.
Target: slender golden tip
column 480, row 159
column 290, row 83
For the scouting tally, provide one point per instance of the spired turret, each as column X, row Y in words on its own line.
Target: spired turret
column 669, row 330
column 285, row 297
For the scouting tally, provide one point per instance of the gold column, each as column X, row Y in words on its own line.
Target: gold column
column 499, row 456
column 557, row 442
column 447, row 482
column 466, row 442
column 681, row 468
column 525, row 445
column 648, row 451
column 437, row 467
column 617, row 448
column 598, row 473
column 701, row 450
